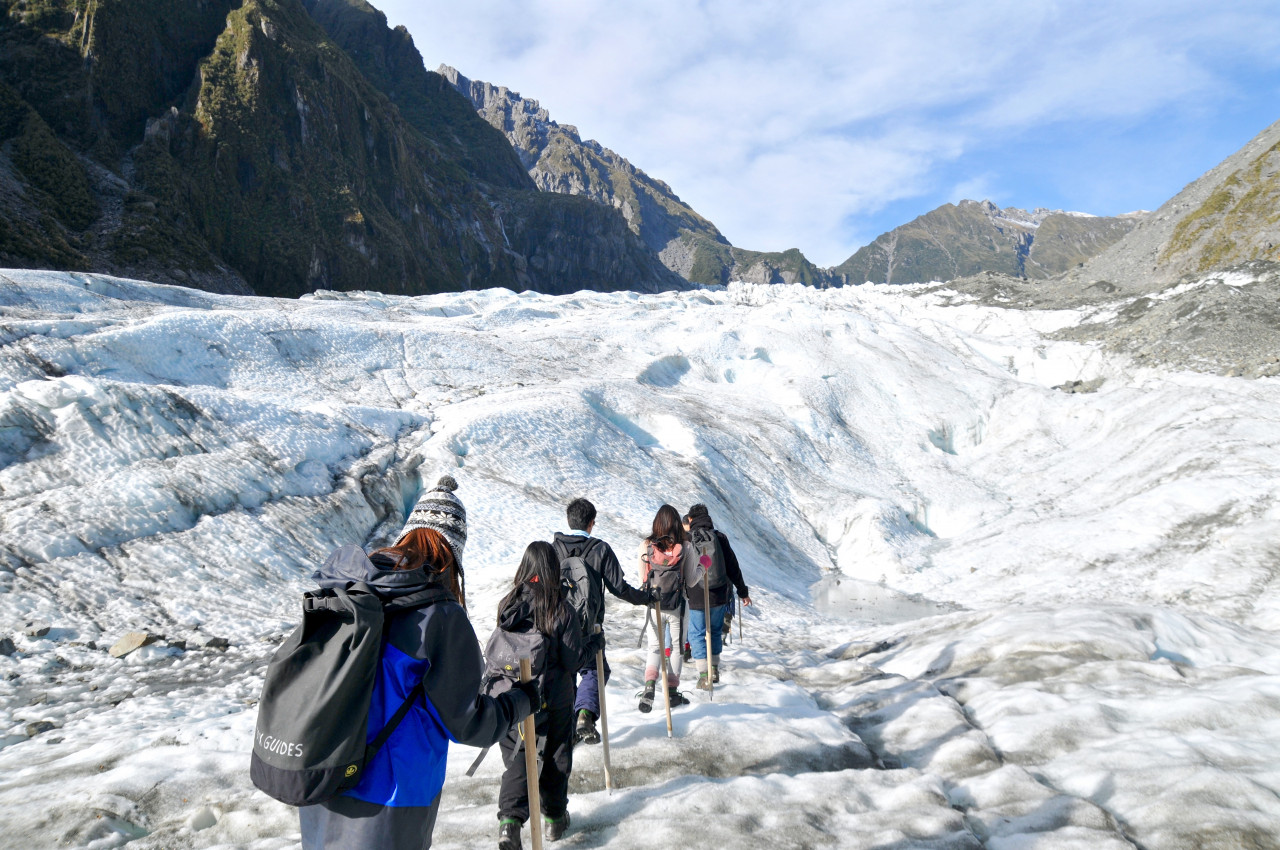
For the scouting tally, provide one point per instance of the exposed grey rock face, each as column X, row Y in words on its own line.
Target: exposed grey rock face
column 560, row 161
column 1225, row 322
column 955, row 240
column 1220, row 219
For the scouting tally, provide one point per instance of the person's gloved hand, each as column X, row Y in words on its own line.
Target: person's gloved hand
column 530, row 690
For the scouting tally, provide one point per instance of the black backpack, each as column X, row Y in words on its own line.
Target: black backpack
column 702, row 555
column 310, row 743
column 668, row 580
column 581, row 588
column 502, row 656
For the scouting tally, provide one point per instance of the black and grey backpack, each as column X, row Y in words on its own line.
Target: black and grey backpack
column 502, row 656
column 704, row 558
column 311, row 743
column 581, row 589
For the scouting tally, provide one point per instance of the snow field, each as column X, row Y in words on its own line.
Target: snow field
column 1048, row 612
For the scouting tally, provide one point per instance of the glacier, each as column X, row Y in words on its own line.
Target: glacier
column 989, row 613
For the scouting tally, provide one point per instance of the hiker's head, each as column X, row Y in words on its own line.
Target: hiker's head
column 581, row 515
column 698, row 515
column 426, row 548
column 539, row 570
column 667, row 531
column 442, row 511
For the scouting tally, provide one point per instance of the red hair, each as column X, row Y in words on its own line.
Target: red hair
column 426, row 548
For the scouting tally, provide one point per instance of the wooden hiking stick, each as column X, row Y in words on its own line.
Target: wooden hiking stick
column 604, row 719
column 531, row 765
column 662, row 663
column 706, row 613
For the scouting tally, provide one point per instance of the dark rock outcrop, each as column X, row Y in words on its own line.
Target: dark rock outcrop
column 269, row 146
column 559, row 160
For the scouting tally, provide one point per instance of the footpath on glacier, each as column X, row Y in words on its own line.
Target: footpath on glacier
column 991, row 613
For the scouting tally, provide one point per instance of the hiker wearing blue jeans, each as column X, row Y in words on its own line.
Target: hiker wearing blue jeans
column 725, row 574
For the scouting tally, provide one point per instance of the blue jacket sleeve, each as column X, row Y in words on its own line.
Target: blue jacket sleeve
column 453, row 681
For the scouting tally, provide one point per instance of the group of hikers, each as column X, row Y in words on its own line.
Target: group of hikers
column 427, row 684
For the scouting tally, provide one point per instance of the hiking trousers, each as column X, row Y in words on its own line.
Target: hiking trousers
column 672, row 642
column 346, row 822
column 589, row 686
column 556, row 764
column 698, row 632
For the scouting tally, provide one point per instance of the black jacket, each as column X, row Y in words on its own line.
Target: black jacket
column 566, row 648
column 719, row 595
column 606, row 572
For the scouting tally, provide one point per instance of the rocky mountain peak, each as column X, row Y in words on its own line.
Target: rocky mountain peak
column 962, row 239
column 560, row 161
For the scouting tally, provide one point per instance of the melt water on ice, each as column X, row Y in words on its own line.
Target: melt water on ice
column 989, row 613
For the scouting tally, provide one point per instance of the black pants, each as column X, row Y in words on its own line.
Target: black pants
column 557, row 763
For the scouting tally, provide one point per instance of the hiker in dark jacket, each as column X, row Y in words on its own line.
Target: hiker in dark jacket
column 699, row 519
column 394, row 806
column 537, row 603
column 607, row 572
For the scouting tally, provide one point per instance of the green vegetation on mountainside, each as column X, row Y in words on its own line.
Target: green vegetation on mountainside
column 1238, row 222
column 224, row 141
column 389, row 60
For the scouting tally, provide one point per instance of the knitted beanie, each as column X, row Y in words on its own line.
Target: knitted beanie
column 440, row 510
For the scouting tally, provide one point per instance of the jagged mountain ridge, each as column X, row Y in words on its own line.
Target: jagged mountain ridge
column 559, row 160
column 232, row 145
column 962, row 239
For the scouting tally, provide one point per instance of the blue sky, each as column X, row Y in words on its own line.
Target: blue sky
column 821, row 124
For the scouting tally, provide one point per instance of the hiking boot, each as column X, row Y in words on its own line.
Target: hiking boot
column 703, row 683
column 676, row 697
column 587, row 732
column 646, row 697
column 715, row 675
column 509, row 834
column 553, row 829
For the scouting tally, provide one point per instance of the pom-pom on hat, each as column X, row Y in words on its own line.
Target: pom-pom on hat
column 440, row 510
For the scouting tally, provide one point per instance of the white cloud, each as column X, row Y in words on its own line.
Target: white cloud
column 782, row 122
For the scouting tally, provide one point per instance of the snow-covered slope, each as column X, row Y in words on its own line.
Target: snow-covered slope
column 990, row 613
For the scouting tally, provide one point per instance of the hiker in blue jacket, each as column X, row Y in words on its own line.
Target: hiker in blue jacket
column 395, row 805
column 535, row 609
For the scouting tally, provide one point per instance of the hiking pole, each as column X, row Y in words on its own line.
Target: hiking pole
column 662, row 664
column 531, row 764
column 604, row 719
column 706, row 613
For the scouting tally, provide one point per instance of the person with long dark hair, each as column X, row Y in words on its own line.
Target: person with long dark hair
column 536, row 603
column 395, row 804
column 660, row 570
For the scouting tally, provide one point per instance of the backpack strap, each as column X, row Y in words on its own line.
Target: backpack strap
column 416, row 692
column 418, row 599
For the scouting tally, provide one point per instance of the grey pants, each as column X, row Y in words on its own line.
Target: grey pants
column 345, row 823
